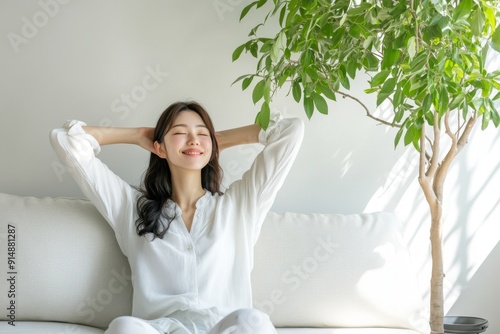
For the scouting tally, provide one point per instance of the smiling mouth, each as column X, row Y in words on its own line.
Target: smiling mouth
column 192, row 153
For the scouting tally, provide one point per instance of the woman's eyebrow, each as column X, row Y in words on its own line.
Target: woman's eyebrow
column 185, row 125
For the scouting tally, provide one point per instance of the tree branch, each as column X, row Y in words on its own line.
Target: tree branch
column 448, row 159
column 423, row 179
column 464, row 138
column 423, row 155
column 435, row 147
column 368, row 113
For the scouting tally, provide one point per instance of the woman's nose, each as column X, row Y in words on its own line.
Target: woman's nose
column 193, row 139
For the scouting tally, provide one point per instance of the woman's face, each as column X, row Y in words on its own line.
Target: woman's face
column 187, row 144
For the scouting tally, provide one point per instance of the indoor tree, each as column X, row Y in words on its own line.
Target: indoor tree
column 427, row 59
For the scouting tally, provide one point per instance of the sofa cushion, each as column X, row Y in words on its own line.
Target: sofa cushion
column 30, row 327
column 66, row 264
column 344, row 331
column 61, row 328
column 328, row 270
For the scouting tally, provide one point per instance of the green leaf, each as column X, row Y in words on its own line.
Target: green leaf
column 426, row 104
column 370, row 62
column 278, row 46
column 282, row 15
column 311, row 73
column 379, row 78
column 416, row 138
column 371, row 90
column 463, row 10
column 419, row 61
column 245, row 10
column 320, row 103
column 237, row 52
column 261, row 3
column 398, row 115
column 486, row 118
column 400, row 132
column 327, row 92
column 344, row 80
column 306, row 58
column 264, row 115
column 444, row 101
column 266, row 46
column 431, row 33
column 254, row 49
column 342, row 20
column 267, row 91
column 476, row 104
column 246, row 82
column 412, row 47
column 398, row 97
column 411, row 135
column 477, row 22
column 240, row 78
column 386, row 90
column 352, row 68
column 258, row 91
column 390, row 56
column 490, row 17
column 308, row 106
column 456, row 101
column 495, row 40
column 495, row 117
column 296, row 91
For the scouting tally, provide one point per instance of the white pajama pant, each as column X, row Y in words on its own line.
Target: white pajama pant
column 243, row 321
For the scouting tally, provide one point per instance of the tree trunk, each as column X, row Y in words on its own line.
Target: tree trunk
column 434, row 200
column 437, row 297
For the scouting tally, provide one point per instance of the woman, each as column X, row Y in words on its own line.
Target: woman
column 189, row 246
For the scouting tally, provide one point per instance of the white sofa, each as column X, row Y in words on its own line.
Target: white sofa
column 63, row 273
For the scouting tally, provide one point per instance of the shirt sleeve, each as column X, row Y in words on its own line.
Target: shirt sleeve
column 255, row 193
column 112, row 196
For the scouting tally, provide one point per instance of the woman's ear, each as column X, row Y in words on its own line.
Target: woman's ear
column 159, row 150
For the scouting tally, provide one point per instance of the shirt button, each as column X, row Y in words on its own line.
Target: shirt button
column 190, row 247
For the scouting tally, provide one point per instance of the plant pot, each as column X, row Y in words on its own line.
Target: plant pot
column 464, row 325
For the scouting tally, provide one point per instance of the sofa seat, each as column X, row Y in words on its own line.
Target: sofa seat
column 28, row 327
column 313, row 273
column 345, row 331
column 44, row 327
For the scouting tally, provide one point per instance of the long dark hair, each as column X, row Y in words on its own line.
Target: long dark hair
column 157, row 184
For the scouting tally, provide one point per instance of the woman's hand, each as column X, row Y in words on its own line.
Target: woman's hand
column 145, row 139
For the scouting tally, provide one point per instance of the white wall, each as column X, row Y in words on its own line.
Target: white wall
column 88, row 60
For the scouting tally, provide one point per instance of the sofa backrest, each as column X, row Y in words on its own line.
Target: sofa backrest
column 336, row 270
column 65, row 265
column 310, row 270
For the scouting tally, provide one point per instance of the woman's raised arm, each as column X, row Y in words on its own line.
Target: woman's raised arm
column 142, row 137
column 244, row 135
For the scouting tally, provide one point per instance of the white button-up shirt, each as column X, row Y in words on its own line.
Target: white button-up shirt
column 206, row 270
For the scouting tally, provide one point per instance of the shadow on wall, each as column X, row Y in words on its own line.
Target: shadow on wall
column 471, row 213
column 486, row 302
column 474, row 207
